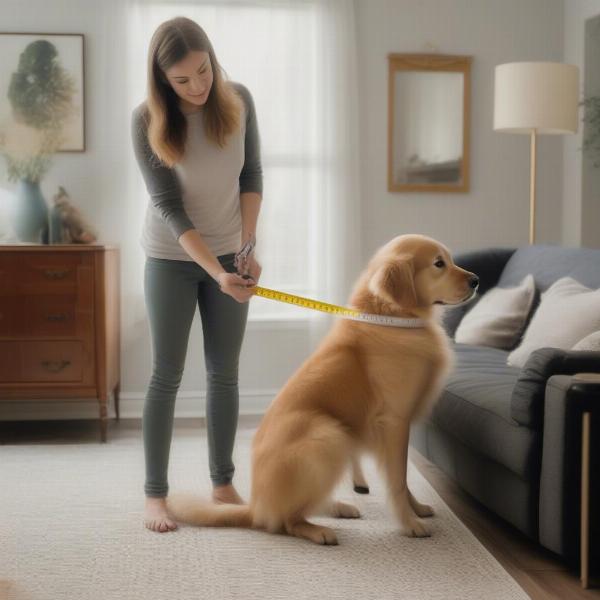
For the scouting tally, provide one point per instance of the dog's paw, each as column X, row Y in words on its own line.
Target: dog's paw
column 319, row 534
column 324, row 536
column 341, row 510
column 423, row 510
column 414, row 528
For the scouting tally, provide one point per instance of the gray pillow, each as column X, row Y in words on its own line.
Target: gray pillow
column 499, row 317
column 568, row 312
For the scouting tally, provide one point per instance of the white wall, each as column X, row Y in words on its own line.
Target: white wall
column 495, row 211
column 581, row 204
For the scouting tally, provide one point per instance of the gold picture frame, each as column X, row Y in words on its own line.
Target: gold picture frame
column 429, row 122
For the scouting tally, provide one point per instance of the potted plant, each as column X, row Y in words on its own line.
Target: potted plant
column 591, row 142
column 40, row 94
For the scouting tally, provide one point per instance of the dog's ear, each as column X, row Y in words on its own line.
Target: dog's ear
column 393, row 281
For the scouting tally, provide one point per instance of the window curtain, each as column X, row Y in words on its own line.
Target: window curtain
column 337, row 257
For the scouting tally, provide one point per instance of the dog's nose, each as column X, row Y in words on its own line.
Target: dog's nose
column 473, row 281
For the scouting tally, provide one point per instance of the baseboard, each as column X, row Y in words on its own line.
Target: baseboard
column 188, row 405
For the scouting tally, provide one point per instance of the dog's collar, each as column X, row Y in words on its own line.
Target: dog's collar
column 389, row 321
column 408, row 323
column 402, row 321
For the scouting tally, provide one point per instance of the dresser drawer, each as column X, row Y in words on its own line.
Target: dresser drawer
column 9, row 316
column 56, row 273
column 50, row 315
column 46, row 361
column 8, row 279
column 52, row 361
column 10, row 362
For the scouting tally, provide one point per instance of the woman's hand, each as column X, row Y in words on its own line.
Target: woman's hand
column 252, row 268
column 236, row 286
column 245, row 262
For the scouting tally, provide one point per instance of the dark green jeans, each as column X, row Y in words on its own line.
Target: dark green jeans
column 172, row 290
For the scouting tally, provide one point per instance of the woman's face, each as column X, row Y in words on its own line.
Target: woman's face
column 191, row 79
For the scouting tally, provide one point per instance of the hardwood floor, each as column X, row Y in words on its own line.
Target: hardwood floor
column 539, row 572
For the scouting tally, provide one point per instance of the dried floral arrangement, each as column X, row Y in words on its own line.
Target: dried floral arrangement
column 40, row 93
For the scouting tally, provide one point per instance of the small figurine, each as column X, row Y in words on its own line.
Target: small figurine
column 67, row 224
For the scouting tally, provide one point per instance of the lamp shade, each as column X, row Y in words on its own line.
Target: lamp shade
column 536, row 95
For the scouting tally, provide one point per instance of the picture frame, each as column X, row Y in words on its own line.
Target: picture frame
column 429, row 122
column 69, row 54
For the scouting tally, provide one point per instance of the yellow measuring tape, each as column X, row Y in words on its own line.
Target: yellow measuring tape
column 334, row 309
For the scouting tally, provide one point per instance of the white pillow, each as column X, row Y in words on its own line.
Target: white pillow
column 568, row 312
column 497, row 320
column 589, row 342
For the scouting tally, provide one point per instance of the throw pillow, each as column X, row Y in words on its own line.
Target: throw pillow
column 497, row 320
column 568, row 312
column 589, row 342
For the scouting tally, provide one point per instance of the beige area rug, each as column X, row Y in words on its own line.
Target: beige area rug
column 72, row 529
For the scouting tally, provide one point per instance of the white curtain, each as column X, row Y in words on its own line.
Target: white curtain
column 337, row 260
column 298, row 59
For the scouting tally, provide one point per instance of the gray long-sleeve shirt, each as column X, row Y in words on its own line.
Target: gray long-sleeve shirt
column 202, row 191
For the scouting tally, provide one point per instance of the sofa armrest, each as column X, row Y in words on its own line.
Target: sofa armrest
column 488, row 265
column 527, row 401
column 560, row 477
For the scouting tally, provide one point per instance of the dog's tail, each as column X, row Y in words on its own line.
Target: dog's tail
column 196, row 510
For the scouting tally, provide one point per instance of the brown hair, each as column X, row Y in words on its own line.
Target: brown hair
column 167, row 126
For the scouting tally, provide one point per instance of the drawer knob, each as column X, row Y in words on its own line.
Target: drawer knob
column 57, row 317
column 56, row 273
column 55, row 365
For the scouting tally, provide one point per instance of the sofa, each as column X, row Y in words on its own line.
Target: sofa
column 509, row 436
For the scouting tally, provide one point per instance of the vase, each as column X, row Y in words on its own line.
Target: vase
column 31, row 213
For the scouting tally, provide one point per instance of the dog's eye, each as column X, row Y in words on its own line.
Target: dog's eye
column 439, row 264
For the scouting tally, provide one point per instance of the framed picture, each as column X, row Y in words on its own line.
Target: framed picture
column 428, row 122
column 42, row 85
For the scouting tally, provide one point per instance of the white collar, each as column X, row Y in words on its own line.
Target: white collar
column 410, row 323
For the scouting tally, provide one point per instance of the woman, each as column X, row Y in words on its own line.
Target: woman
column 196, row 142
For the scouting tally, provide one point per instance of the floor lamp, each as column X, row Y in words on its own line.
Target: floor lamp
column 536, row 97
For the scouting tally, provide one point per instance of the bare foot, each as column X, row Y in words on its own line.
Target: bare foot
column 156, row 517
column 226, row 494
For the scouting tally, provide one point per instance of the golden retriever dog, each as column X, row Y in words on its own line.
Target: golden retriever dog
column 358, row 392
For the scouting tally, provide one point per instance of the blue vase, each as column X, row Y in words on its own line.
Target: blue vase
column 31, row 214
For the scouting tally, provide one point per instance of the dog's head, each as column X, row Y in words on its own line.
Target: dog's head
column 412, row 273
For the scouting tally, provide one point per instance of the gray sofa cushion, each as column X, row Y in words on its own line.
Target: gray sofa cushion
column 550, row 263
column 527, row 403
column 475, row 408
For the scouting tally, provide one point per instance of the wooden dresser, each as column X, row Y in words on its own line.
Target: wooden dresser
column 60, row 324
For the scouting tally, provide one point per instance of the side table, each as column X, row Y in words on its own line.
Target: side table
column 585, row 390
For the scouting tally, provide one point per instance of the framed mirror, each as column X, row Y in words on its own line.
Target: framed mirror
column 428, row 122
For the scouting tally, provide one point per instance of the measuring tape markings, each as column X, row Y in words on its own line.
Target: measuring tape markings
column 334, row 309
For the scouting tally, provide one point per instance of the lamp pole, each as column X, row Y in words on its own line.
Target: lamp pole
column 532, row 189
